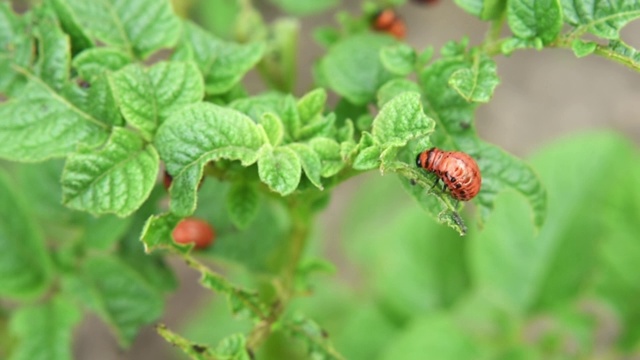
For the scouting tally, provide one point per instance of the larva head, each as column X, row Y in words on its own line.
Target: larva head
column 422, row 160
column 419, row 159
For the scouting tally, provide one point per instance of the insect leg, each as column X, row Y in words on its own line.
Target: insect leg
column 434, row 184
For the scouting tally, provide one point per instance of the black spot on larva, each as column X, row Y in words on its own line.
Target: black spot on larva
column 458, row 186
column 412, row 182
column 452, row 179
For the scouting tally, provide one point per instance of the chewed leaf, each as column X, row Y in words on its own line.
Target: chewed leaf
column 477, row 82
column 438, row 204
column 157, row 233
column 501, row 170
column 200, row 133
column 455, row 131
column 114, row 179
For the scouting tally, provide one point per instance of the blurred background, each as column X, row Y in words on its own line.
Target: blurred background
column 402, row 286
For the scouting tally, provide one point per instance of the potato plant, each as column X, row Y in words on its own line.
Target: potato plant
column 121, row 122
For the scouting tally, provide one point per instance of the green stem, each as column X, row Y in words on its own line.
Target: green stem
column 300, row 228
column 565, row 42
column 614, row 56
column 495, row 30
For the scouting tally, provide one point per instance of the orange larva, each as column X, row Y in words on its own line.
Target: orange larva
column 458, row 171
column 389, row 22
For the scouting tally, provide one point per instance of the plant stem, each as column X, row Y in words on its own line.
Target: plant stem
column 300, row 215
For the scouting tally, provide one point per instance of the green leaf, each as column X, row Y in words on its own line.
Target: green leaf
column 624, row 53
column 243, row 201
column 313, row 336
column 305, row 7
column 223, row 64
column 273, row 127
column 240, row 300
column 54, row 53
column 394, row 88
column 619, row 251
column 98, row 100
column 40, row 124
column 583, row 48
column 197, row 134
column 148, row 96
column 116, row 178
column 45, row 331
column 256, row 106
column 400, row 120
column 152, row 267
column 311, row 105
column 398, row 59
column 424, row 57
column 454, row 131
column 156, row 233
column 262, row 247
column 138, row 27
column 512, row 44
column 352, row 67
column 476, row 83
column 321, row 126
column 80, row 40
column 94, row 62
column 473, row 7
column 368, row 158
column 437, row 335
column 530, row 19
column 424, row 270
column 501, row 170
column 602, row 18
column 310, row 161
column 40, row 185
column 329, row 152
column 102, row 232
column 24, row 263
column 233, row 347
column 121, row 297
column 279, row 168
column 419, row 185
column 543, row 271
column 193, row 350
column 16, row 49
column 219, row 16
